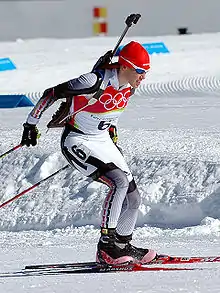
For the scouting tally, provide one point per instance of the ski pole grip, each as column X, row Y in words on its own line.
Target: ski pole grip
column 133, row 18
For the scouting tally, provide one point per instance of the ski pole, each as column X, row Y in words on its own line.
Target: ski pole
column 11, row 150
column 32, row 187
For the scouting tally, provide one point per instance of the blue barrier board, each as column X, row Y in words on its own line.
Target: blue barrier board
column 157, row 48
column 14, row 101
column 6, row 64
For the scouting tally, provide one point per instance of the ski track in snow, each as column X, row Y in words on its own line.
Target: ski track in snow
column 170, row 137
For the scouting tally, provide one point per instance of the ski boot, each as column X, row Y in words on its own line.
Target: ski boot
column 115, row 249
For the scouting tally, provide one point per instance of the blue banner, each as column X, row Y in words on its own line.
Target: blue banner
column 6, row 64
column 156, row 48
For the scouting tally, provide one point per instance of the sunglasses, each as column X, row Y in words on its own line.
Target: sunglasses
column 138, row 70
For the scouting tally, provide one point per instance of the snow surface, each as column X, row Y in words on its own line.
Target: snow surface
column 170, row 135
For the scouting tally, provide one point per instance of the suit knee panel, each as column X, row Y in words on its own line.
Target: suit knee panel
column 118, row 177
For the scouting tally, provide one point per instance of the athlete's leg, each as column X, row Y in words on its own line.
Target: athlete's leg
column 101, row 159
column 129, row 212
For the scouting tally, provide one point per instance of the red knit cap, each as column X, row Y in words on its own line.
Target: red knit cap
column 136, row 54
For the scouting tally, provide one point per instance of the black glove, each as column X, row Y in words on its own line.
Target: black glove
column 113, row 133
column 103, row 60
column 30, row 135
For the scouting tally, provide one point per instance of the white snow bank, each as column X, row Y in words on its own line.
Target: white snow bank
column 175, row 193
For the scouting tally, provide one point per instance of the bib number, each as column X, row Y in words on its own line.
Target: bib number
column 104, row 125
column 79, row 152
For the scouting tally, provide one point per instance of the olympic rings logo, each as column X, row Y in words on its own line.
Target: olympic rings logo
column 118, row 101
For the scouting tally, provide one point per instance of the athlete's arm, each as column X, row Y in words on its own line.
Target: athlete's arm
column 87, row 83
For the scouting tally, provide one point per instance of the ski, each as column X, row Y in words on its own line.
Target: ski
column 60, row 265
column 93, row 268
column 166, row 259
column 161, row 259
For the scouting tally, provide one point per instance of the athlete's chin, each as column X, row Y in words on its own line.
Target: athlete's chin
column 135, row 84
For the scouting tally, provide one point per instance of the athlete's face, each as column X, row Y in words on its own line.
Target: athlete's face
column 132, row 77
